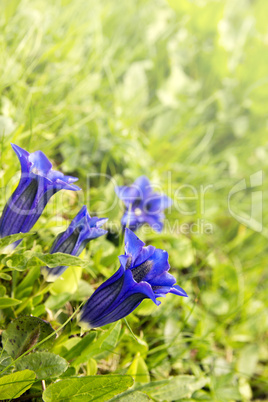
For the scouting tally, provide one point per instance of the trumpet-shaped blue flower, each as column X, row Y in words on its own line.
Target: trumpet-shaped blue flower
column 37, row 184
column 143, row 205
column 82, row 229
column 143, row 274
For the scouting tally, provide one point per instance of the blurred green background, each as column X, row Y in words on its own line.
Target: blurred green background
column 176, row 90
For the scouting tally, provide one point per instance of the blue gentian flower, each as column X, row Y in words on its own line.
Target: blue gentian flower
column 37, row 184
column 143, row 274
column 143, row 205
column 82, row 229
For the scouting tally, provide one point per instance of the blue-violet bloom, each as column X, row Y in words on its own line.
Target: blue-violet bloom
column 38, row 182
column 143, row 274
column 82, row 229
column 143, row 205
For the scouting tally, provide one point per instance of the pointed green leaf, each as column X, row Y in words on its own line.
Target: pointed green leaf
column 6, row 302
column 80, row 347
column 15, row 384
column 55, row 260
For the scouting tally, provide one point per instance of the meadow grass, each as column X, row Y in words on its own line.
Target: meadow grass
column 176, row 91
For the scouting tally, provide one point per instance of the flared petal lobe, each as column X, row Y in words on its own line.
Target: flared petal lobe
column 37, row 185
column 143, row 205
column 142, row 275
column 82, row 229
column 133, row 245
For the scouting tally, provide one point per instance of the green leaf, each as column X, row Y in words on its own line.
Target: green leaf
column 132, row 397
column 5, row 360
column 16, row 262
column 55, row 302
column 248, row 359
column 108, row 341
column 6, row 241
column 14, row 385
column 85, row 389
column 136, row 345
column 70, row 372
column 67, row 282
column 84, row 290
column 2, row 291
column 226, row 388
column 24, row 289
column 4, row 276
column 55, row 260
column 44, row 364
column 138, row 370
column 182, row 386
column 104, row 345
column 25, row 332
column 6, row 302
column 92, row 367
column 80, row 347
column 39, row 310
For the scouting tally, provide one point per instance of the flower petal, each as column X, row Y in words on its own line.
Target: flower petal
column 142, row 274
column 128, row 194
column 164, row 279
column 133, row 245
column 38, row 183
column 120, row 311
column 124, row 260
column 104, row 308
column 23, row 158
column 80, row 231
column 144, row 255
column 131, row 221
column 155, row 221
column 18, row 208
column 97, row 222
column 40, row 163
column 177, row 290
column 55, row 175
column 60, row 178
column 143, row 184
column 160, row 264
column 156, row 203
column 102, row 299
